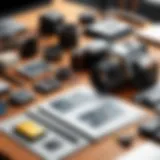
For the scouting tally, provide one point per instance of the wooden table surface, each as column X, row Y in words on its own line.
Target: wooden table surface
column 105, row 149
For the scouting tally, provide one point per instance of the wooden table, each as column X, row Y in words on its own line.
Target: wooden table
column 105, row 149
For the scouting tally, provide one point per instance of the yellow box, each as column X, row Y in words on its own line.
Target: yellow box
column 30, row 129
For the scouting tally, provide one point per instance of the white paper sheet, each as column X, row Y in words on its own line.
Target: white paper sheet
column 148, row 151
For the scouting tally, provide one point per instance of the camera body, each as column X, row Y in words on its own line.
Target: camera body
column 128, row 61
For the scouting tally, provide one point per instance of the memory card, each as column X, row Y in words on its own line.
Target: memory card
column 50, row 146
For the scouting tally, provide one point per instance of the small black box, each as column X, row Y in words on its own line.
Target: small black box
column 50, row 22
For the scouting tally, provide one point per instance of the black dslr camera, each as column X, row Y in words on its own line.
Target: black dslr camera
column 127, row 61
